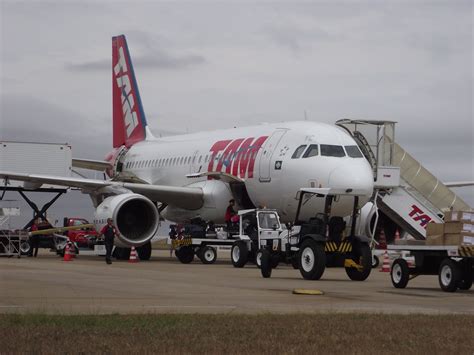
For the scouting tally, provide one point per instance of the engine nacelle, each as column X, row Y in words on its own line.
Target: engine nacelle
column 134, row 215
column 366, row 221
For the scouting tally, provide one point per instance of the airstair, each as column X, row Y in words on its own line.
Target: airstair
column 406, row 192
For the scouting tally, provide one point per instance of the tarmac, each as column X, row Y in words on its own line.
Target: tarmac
column 163, row 285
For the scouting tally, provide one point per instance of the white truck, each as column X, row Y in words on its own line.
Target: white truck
column 35, row 158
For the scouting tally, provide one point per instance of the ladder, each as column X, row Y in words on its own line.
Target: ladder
column 415, row 197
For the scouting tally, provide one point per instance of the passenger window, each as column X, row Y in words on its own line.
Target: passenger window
column 353, row 151
column 312, row 151
column 298, row 151
column 332, row 150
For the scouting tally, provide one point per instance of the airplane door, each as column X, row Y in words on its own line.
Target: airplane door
column 195, row 165
column 267, row 153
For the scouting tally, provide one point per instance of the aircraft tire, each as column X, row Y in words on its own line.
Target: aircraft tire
column 144, row 252
column 312, row 260
column 121, row 253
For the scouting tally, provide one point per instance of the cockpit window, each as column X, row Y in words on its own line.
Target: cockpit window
column 298, row 151
column 353, row 151
column 332, row 150
column 312, row 151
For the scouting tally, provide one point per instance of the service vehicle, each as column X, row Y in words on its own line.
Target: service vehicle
column 85, row 236
column 200, row 239
column 452, row 263
column 254, row 224
column 319, row 242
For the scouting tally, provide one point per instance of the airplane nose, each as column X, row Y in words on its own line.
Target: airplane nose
column 353, row 176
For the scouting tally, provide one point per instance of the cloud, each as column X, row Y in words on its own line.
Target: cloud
column 29, row 119
column 297, row 38
column 156, row 60
column 149, row 54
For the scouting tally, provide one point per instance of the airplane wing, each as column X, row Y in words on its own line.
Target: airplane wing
column 184, row 197
column 459, row 183
column 98, row 165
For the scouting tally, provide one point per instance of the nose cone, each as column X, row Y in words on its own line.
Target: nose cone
column 356, row 175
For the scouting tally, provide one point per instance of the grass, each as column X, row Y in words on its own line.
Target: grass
column 231, row 334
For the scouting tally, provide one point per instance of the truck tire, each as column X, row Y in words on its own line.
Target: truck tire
column 467, row 276
column 25, row 247
column 266, row 264
column 312, row 260
column 375, row 261
column 400, row 273
column 144, row 252
column 185, row 254
column 449, row 275
column 295, row 262
column 258, row 258
column 239, row 254
column 363, row 256
column 275, row 261
column 465, row 284
column 208, row 255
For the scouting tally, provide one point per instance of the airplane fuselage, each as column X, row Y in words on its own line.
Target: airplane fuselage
column 263, row 159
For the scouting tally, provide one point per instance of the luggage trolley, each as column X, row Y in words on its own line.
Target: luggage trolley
column 452, row 263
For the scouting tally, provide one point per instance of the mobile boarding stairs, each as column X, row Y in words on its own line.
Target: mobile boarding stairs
column 405, row 191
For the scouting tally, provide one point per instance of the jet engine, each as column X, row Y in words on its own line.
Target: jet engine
column 366, row 221
column 135, row 217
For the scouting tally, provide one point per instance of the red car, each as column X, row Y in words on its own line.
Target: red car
column 84, row 237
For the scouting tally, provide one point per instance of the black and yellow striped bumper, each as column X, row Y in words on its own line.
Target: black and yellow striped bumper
column 466, row 250
column 343, row 247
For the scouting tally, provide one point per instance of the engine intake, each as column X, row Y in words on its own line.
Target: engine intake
column 134, row 215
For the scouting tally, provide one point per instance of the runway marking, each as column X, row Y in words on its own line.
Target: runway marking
column 11, row 306
column 197, row 306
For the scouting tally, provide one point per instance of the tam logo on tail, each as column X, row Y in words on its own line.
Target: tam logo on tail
column 128, row 116
column 128, row 103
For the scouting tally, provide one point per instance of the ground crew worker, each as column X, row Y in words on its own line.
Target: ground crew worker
column 109, row 232
column 229, row 213
column 34, row 239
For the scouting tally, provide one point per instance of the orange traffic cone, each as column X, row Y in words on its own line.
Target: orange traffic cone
column 67, row 253
column 133, row 256
column 386, row 263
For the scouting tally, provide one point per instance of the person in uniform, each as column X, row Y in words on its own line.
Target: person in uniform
column 109, row 232
column 229, row 213
column 34, row 239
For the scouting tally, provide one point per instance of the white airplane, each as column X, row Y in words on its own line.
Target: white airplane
column 191, row 175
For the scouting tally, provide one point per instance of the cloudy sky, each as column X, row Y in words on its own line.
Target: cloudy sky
column 205, row 65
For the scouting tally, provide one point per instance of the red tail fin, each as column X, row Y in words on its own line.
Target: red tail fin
column 128, row 116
